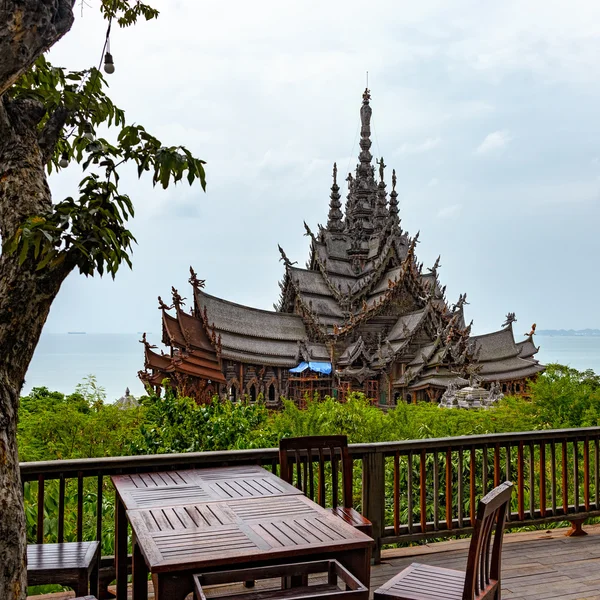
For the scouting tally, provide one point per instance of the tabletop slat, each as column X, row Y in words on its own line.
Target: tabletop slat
column 171, row 488
column 203, row 535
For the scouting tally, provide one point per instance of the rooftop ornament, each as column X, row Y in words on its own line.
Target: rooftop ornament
column 510, row 319
column 196, row 283
column 163, row 306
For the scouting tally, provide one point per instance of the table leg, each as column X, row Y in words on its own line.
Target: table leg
column 121, row 548
column 140, row 574
column 169, row 586
column 358, row 562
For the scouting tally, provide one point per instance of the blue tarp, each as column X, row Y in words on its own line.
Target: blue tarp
column 317, row 367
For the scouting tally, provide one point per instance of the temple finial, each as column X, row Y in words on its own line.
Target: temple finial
column 393, row 208
column 285, row 259
column 163, row 306
column 381, row 214
column 382, row 167
column 434, row 270
column 178, row 301
column 364, row 168
column 532, row 332
column 334, row 219
column 194, row 281
column 362, row 190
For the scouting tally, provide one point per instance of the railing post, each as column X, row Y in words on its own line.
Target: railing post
column 373, row 496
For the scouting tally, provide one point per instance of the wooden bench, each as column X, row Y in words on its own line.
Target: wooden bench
column 481, row 581
column 72, row 564
column 340, row 584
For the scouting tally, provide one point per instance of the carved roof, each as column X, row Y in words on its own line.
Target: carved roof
column 527, row 348
column 406, row 324
column 172, row 334
column 525, row 372
column 193, row 331
column 253, row 346
column 200, row 363
column 439, row 381
column 310, row 282
column 246, row 321
column 488, row 369
column 353, row 352
column 496, row 345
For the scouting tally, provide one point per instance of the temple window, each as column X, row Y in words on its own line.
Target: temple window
column 252, row 393
column 271, row 393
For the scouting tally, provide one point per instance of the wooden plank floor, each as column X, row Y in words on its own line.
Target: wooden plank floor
column 536, row 565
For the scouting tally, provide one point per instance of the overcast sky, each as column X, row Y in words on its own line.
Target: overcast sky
column 487, row 111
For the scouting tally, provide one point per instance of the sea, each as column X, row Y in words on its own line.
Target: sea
column 62, row 360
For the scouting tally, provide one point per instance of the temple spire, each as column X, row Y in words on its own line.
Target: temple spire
column 362, row 189
column 381, row 211
column 364, row 168
column 393, row 209
column 334, row 220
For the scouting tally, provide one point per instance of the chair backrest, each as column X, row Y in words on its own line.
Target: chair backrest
column 483, row 568
column 298, row 457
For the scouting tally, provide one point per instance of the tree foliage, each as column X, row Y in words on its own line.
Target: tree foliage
column 91, row 228
column 53, row 425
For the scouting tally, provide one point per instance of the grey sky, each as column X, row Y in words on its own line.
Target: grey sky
column 487, row 111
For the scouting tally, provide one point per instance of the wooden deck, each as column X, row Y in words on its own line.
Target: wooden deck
column 536, row 565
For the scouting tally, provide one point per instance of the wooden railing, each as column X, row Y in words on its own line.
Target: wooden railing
column 432, row 486
column 410, row 490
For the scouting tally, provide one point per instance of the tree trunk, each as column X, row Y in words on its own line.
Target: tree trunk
column 25, row 299
column 29, row 28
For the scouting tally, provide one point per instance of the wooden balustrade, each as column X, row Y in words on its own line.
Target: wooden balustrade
column 410, row 490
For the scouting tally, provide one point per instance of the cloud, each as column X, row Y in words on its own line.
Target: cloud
column 425, row 146
column 494, row 142
column 448, row 212
column 260, row 106
column 433, row 182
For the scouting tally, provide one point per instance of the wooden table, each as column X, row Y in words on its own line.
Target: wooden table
column 241, row 515
column 171, row 488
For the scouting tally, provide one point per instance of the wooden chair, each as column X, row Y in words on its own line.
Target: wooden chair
column 481, row 581
column 72, row 564
column 335, row 582
column 299, row 453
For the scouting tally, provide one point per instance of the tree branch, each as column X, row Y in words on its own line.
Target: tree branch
column 29, row 28
column 51, row 132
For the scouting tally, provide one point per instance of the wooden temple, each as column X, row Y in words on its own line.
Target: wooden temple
column 362, row 316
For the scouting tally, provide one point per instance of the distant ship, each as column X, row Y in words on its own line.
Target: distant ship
column 76, row 332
